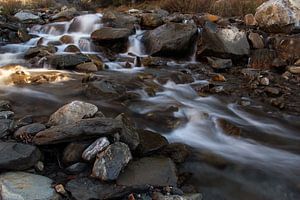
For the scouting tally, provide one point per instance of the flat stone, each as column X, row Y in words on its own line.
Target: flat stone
column 18, row 156
column 72, row 112
column 83, row 129
column 23, row 186
column 155, row 171
column 110, row 162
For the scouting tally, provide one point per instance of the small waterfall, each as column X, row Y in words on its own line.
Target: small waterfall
column 135, row 45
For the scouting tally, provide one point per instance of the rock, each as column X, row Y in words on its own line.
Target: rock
column 23, row 35
column 262, row 59
column 170, row 39
column 178, row 152
column 272, row 91
column 218, row 63
column 76, row 168
column 80, row 130
column 61, row 190
column 256, row 41
column 120, row 20
column 264, row 81
column 21, row 185
column 72, row 112
column 87, row 189
column 29, row 131
column 96, row 147
column 18, row 156
column 5, row 105
column 67, row 14
column 39, row 51
column 150, row 61
column 129, row 134
column 67, row 39
column 104, row 89
column 72, row 153
column 72, row 49
column 110, row 162
column 278, row 15
column 224, row 41
column 26, row 16
column 294, row 69
column 87, row 67
column 110, row 34
column 154, row 171
column 218, row 78
column 250, row 20
column 159, row 196
column 7, row 115
column 150, row 142
column 67, row 61
column 152, row 20
column 6, row 125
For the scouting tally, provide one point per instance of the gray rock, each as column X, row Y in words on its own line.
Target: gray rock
column 278, row 15
column 226, row 41
column 218, row 63
column 67, row 61
column 76, row 168
column 29, row 130
column 18, row 156
column 26, row 16
column 170, row 39
column 6, row 126
column 72, row 153
column 110, row 162
column 120, row 20
column 129, row 134
column 5, row 105
column 72, row 112
column 23, row 186
column 96, row 147
column 87, row 189
column 83, row 129
column 110, row 34
column 65, row 14
column 155, row 171
column 6, row 114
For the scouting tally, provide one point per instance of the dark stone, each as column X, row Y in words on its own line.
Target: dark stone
column 76, row 168
column 67, row 61
column 178, row 152
column 6, row 125
column 72, row 153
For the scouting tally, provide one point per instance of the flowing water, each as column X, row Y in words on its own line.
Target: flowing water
column 261, row 163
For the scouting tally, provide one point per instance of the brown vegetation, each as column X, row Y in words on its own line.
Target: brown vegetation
column 8, row 7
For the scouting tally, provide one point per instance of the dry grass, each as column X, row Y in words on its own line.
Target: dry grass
column 218, row 7
column 10, row 7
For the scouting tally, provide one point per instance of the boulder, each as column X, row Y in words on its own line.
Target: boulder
column 224, row 42
column 39, row 51
column 26, row 16
column 256, row 40
column 171, row 39
column 250, row 20
column 72, row 49
column 87, row 67
column 278, row 15
column 151, row 20
column 21, row 185
column 67, row 61
column 87, row 189
column 18, row 156
column 72, row 153
column 110, row 162
column 110, row 34
column 66, row 14
column 72, row 112
column 120, row 20
column 155, row 171
column 96, row 147
column 67, row 39
column 80, row 130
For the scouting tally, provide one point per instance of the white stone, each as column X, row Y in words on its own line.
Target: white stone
column 23, row 16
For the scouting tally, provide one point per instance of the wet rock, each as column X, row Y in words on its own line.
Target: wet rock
column 159, row 196
column 87, row 67
column 67, row 61
column 72, row 49
column 21, row 185
column 86, row 189
column 294, row 69
column 72, row 153
column 129, row 134
column 250, row 20
column 6, row 125
column 152, row 20
column 223, row 41
column 80, row 130
column 278, row 15
column 5, row 105
column 110, row 162
column 23, row 35
column 256, row 41
column 170, row 39
column 26, row 133
column 18, row 156
column 76, row 168
column 73, row 112
column 218, row 78
column 229, row 128
column 110, row 34
column 120, row 20
column 155, row 171
column 218, row 63
column 26, row 16
column 39, row 51
column 67, row 14
column 67, row 39
column 154, row 61
column 7, row 115
column 96, row 147
column 177, row 152
column 262, row 59
column 150, row 142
